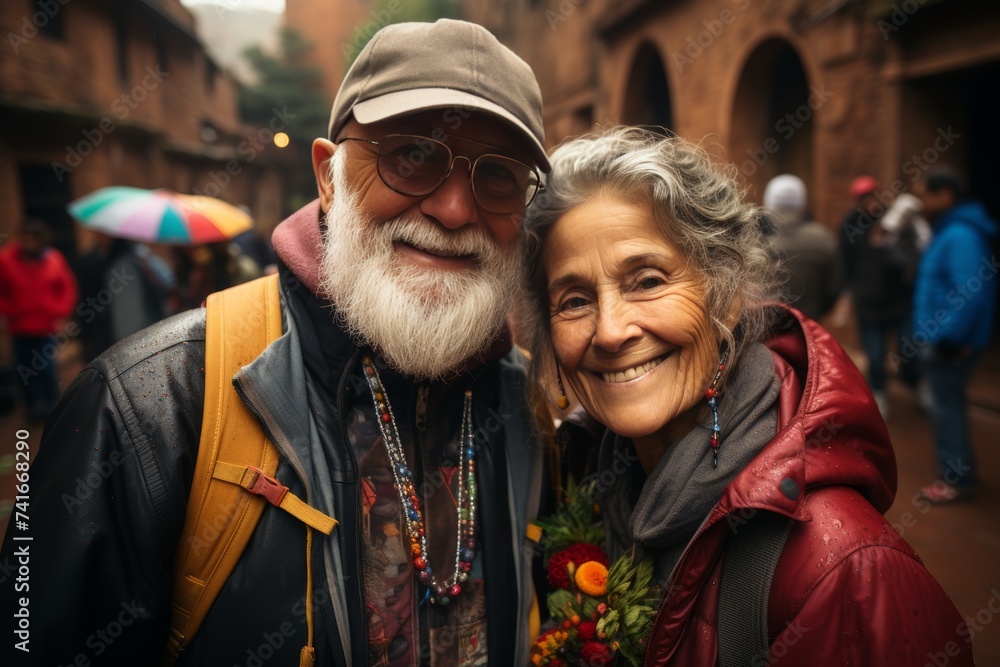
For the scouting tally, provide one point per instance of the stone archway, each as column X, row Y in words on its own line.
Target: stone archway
column 647, row 95
column 773, row 117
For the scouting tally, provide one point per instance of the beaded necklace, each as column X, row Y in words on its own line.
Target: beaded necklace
column 437, row 592
column 711, row 394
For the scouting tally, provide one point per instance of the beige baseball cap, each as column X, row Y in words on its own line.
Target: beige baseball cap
column 410, row 67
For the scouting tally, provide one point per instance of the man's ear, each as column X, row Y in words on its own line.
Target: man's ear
column 322, row 152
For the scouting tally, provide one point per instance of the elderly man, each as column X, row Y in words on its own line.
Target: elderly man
column 392, row 396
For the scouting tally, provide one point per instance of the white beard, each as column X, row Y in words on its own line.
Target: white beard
column 424, row 322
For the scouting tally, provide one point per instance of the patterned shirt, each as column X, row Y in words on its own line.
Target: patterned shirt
column 403, row 628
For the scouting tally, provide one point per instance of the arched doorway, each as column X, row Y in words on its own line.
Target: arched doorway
column 773, row 117
column 647, row 97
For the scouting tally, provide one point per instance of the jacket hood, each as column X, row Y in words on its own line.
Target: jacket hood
column 971, row 213
column 298, row 244
column 829, row 429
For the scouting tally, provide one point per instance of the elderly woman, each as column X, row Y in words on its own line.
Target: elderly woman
column 749, row 427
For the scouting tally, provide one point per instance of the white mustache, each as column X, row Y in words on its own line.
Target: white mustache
column 472, row 240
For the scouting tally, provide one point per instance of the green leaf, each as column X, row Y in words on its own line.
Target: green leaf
column 557, row 603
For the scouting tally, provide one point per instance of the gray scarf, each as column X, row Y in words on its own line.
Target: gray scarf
column 680, row 492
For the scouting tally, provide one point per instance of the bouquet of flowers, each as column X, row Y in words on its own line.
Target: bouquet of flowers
column 597, row 612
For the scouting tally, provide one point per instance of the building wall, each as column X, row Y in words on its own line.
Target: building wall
column 336, row 28
column 865, row 106
column 170, row 119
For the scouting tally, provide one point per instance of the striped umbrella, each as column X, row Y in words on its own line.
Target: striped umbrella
column 159, row 216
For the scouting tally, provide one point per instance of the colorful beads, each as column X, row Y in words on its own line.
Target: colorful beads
column 711, row 394
column 438, row 592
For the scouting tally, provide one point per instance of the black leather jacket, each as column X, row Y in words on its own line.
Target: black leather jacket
column 110, row 483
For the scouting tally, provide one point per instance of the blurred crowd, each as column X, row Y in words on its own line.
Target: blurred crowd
column 916, row 270
column 56, row 310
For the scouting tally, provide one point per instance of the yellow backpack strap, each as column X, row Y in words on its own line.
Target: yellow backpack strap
column 234, row 457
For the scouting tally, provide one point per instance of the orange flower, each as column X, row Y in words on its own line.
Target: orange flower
column 592, row 578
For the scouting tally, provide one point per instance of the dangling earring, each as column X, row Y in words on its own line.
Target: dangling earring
column 563, row 401
column 710, row 394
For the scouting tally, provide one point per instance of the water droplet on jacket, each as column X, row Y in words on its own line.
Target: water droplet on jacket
column 837, row 524
column 826, row 540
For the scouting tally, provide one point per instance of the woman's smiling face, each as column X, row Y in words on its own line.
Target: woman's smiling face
column 629, row 325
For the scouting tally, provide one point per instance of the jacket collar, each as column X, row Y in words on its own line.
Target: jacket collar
column 298, row 244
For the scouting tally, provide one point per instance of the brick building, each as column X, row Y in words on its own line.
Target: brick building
column 826, row 89
column 120, row 92
column 337, row 29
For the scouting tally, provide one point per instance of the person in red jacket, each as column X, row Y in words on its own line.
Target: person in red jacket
column 37, row 293
column 652, row 290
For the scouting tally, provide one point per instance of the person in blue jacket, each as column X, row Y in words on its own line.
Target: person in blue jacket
column 953, row 312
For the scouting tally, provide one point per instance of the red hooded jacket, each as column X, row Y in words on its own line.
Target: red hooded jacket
column 847, row 590
column 36, row 295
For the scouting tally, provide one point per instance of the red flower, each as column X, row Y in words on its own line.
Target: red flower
column 596, row 654
column 556, row 662
column 578, row 554
column 587, row 630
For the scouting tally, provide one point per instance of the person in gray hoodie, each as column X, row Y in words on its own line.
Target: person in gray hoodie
column 807, row 249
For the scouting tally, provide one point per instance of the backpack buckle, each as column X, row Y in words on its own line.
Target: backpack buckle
column 267, row 486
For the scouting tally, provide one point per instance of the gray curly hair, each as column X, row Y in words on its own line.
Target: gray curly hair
column 698, row 207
